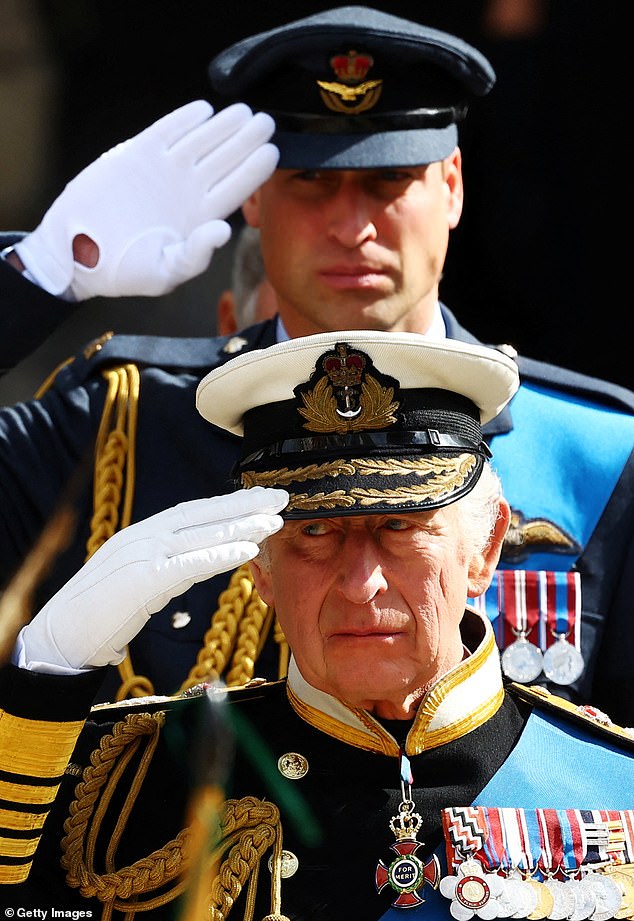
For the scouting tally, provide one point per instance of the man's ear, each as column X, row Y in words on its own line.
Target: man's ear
column 452, row 175
column 484, row 563
column 226, row 314
column 251, row 209
column 263, row 581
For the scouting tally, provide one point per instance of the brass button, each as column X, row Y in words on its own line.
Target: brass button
column 290, row 864
column 292, row 766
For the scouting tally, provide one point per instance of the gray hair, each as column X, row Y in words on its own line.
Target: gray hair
column 480, row 509
column 247, row 274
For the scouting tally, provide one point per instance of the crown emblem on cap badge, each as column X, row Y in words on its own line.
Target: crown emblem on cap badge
column 353, row 94
column 345, row 397
column 344, row 368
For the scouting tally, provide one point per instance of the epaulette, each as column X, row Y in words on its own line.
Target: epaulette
column 198, row 352
column 176, row 353
column 583, row 715
column 251, row 690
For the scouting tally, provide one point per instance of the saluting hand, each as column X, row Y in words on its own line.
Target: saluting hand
column 154, row 205
column 134, row 574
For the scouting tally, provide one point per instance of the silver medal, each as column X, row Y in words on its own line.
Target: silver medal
column 562, row 662
column 529, row 901
column 506, row 909
column 522, row 661
column 563, row 899
column 585, row 902
column 520, row 895
column 606, row 893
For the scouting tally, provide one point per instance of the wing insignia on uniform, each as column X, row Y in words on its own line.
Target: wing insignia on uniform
column 535, row 535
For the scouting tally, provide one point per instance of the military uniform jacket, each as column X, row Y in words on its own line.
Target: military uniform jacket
column 563, row 448
column 312, row 782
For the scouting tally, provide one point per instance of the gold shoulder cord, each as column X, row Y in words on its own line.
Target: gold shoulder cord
column 242, row 621
column 248, row 829
column 93, row 794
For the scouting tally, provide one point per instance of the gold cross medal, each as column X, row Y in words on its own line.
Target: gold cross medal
column 407, row 873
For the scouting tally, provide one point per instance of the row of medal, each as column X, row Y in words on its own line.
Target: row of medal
column 563, row 865
column 543, row 606
column 595, row 895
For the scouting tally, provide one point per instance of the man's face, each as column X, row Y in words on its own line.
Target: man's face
column 357, row 249
column 371, row 605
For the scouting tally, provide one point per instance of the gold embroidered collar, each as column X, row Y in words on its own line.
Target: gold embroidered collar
column 460, row 701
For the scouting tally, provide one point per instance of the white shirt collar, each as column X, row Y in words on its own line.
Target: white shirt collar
column 437, row 329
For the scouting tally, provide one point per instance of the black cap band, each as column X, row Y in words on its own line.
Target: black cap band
column 352, row 442
column 305, row 123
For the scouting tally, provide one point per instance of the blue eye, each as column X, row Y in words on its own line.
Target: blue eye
column 396, row 524
column 315, row 528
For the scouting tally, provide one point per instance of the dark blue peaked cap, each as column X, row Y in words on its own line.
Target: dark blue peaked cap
column 354, row 87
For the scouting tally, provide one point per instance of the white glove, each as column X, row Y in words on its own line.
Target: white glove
column 136, row 572
column 153, row 204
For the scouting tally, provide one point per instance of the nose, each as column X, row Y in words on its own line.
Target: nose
column 350, row 221
column 361, row 576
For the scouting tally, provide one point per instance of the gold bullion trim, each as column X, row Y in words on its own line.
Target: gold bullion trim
column 38, row 748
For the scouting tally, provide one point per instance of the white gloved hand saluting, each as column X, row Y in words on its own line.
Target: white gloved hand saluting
column 154, row 205
column 134, row 574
